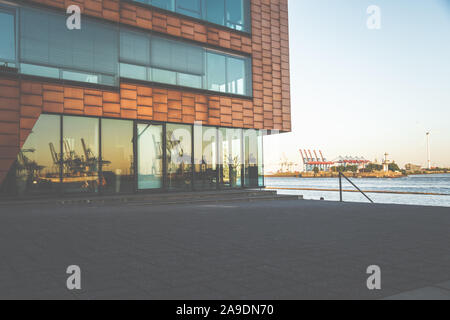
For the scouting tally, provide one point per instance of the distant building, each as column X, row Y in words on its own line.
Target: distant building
column 351, row 161
column 412, row 167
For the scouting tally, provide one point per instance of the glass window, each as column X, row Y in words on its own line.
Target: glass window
column 37, row 170
column 80, row 76
column 39, row 71
column 134, row 72
column 164, row 76
column 80, row 154
column 215, row 11
column 191, row 8
column 205, row 158
column 7, row 37
column 179, row 63
column 216, row 72
column 134, row 48
column 253, row 154
column 163, row 4
column 230, row 157
column 189, row 80
column 46, row 41
column 177, row 56
column 117, row 156
column 234, row 14
column 179, row 156
column 236, row 75
column 150, row 156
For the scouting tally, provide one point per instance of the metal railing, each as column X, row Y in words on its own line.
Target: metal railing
column 340, row 187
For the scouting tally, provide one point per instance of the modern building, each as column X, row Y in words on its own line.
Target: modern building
column 149, row 95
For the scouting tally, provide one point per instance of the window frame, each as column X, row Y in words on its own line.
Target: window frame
column 14, row 12
column 150, row 69
column 247, row 14
column 164, row 186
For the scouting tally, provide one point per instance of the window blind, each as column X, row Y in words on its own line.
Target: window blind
column 134, row 48
column 46, row 40
column 176, row 56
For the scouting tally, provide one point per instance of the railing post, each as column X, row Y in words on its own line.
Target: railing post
column 354, row 185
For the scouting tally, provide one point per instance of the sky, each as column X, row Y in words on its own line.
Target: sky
column 362, row 92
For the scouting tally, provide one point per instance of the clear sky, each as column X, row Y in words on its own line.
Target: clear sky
column 363, row 92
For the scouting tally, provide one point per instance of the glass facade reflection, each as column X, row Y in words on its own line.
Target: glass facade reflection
column 150, row 156
column 117, row 156
column 230, row 157
column 205, row 158
column 37, row 168
column 253, row 156
column 179, row 157
column 98, row 156
column 80, row 154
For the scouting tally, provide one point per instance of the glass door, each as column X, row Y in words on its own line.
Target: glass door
column 150, row 156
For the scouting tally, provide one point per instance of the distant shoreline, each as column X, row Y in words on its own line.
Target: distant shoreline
column 362, row 175
column 356, row 191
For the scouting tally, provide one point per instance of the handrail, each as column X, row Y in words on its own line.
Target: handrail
column 340, row 187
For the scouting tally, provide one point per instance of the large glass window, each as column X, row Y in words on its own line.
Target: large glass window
column 216, row 72
column 215, row 11
column 179, row 156
column 150, row 156
column 197, row 157
column 117, row 156
column 234, row 14
column 100, row 53
column 7, row 38
column 237, row 14
column 89, row 55
column 236, row 76
column 80, row 154
column 230, row 157
column 230, row 74
column 253, row 154
column 179, row 59
column 191, row 8
column 179, row 63
column 205, row 158
column 37, row 169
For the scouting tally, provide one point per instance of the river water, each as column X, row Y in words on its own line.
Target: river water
column 439, row 183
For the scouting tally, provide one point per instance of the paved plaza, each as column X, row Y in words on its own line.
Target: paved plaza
column 292, row 249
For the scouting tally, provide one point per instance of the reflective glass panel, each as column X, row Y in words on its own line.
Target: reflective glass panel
column 230, row 157
column 253, row 154
column 216, row 72
column 205, row 158
column 7, row 37
column 150, row 156
column 80, row 154
column 179, row 156
column 38, row 160
column 117, row 156
column 236, row 75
